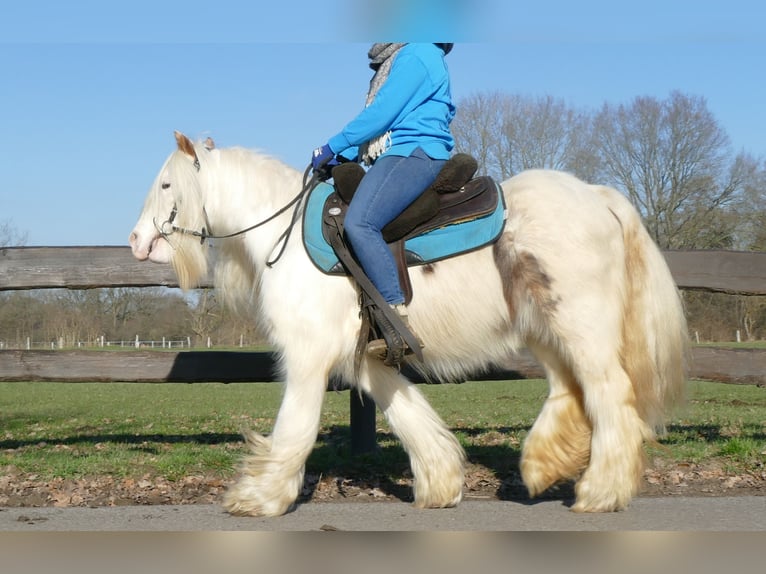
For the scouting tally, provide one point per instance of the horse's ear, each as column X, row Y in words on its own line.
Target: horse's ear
column 185, row 144
column 209, row 144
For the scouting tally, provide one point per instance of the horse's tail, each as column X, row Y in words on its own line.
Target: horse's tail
column 655, row 341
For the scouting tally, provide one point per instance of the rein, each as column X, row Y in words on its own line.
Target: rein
column 204, row 233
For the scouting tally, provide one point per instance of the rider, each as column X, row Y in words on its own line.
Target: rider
column 403, row 135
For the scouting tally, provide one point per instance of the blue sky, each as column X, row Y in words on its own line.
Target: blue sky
column 91, row 91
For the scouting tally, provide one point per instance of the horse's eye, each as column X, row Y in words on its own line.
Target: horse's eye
column 165, row 185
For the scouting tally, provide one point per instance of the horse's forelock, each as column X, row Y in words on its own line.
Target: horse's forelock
column 186, row 187
column 189, row 257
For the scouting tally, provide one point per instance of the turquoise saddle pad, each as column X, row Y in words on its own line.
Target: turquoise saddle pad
column 428, row 247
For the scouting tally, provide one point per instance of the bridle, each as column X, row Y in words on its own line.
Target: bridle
column 167, row 227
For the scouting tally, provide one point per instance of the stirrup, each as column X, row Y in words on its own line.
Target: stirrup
column 392, row 343
column 391, row 348
column 377, row 349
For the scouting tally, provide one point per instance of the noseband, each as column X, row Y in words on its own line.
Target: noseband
column 166, row 228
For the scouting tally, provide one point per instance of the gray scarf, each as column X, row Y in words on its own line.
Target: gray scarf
column 381, row 57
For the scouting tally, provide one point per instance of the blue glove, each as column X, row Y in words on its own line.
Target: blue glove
column 323, row 157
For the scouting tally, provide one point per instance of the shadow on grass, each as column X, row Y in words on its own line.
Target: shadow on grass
column 388, row 469
column 387, row 466
column 709, row 433
column 127, row 439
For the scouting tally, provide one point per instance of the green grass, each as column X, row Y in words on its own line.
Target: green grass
column 735, row 345
column 127, row 429
column 720, row 421
column 130, row 430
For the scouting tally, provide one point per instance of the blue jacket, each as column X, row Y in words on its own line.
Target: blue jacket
column 414, row 103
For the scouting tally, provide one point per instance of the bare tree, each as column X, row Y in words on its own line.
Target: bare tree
column 10, row 236
column 154, row 313
column 206, row 316
column 750, row 210
column 673, row 161
column 545, row 133
column 21, row 316
column 478, row 130
column 510, row 133
column 750, row 235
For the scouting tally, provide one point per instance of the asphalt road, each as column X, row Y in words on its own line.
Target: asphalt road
column 735, row 514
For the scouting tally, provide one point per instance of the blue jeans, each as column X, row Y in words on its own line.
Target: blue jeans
column 387, row 188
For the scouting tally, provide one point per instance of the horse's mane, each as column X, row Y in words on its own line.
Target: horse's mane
column 234, row 275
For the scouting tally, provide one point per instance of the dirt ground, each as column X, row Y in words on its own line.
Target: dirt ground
column 19, row 490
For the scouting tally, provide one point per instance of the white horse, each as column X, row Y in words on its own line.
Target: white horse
column 575, row 278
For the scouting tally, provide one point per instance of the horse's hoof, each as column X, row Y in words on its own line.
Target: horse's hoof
column 255, row 508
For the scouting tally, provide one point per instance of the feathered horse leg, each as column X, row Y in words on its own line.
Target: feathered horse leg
column 436, row 457
column 271, row 476
column 558, row 445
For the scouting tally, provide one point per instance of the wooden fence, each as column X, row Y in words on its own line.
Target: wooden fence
column 24, row 268
column 91, row 267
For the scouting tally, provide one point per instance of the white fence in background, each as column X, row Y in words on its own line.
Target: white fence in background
column 101, row 342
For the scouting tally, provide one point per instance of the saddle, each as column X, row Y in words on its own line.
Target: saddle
column 455, row 196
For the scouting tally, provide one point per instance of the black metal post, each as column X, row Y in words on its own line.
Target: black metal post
column 363, row 438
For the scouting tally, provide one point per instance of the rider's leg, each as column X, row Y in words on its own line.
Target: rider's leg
column 389, row 186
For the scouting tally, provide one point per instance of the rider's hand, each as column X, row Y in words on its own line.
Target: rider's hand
column 323, row 157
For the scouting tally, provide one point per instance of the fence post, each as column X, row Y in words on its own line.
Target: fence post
column 363, row 437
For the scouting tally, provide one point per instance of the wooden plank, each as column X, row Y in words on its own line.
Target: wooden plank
column 183, row 367
column 737, row 272
column 104, row 266
column 137, row 366
column 79, row 268
column 726, row 365
column 720, row 364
